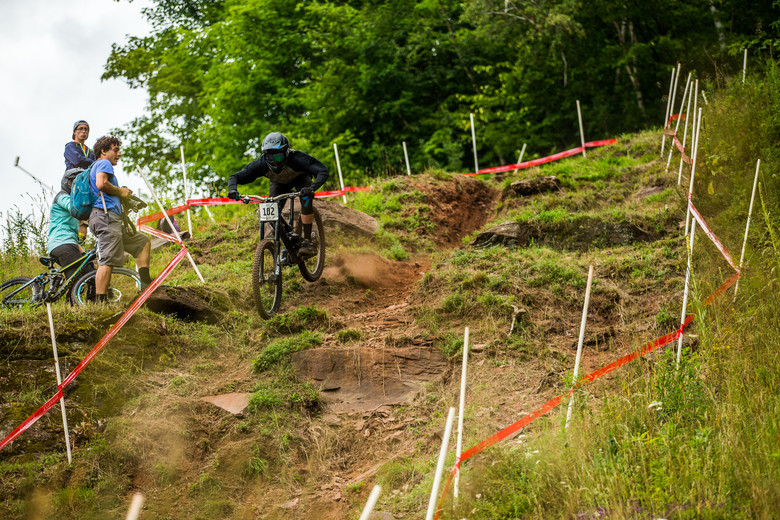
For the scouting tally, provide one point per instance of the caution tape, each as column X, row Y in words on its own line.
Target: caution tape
column 139, row 301
column 555, row 401
column 543, row 160
column 670, row 132
column 709, row 233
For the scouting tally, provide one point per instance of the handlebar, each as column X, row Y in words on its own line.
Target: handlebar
column 246, row 199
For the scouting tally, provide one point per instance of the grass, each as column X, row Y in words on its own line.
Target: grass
column 653, row 441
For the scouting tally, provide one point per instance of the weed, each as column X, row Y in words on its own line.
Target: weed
column 281, row 348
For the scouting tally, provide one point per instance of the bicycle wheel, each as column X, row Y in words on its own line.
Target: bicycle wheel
column 18, row 292
column 311, row 268
column 266, row 285
column 124, row 287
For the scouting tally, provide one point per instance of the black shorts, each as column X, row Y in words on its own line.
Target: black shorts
column 307, row 203
column 66, row 254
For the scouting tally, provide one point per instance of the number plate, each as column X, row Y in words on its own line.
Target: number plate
column 268, row 212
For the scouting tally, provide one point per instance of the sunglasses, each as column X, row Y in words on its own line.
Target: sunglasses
column 274, row 157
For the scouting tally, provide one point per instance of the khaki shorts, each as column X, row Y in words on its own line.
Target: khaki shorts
column 112, row 241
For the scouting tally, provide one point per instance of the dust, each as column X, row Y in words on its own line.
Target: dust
column 371, row 271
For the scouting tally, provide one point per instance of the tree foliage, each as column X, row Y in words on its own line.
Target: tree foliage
column 368, row 75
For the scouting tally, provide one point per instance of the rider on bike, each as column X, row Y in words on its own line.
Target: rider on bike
column 65, row 232
column 286, row 169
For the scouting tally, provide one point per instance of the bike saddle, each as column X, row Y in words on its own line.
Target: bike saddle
column 48, row 261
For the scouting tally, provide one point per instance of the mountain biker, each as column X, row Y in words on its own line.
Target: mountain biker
column 77, row 153
column 105, row 221
column 65, row 232
column 286, row 169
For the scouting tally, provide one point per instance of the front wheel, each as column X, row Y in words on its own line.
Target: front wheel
column 123, row 288
column 311, row 268
column 18, row 292
column 266, row 284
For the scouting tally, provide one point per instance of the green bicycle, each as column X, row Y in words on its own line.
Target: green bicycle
column 52, row 284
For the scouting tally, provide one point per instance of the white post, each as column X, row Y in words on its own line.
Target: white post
column 371, row 502
column 744, row 66
column 747, row 226
column 406, row 158
column 462, row 410
column 167, row 218
column 685, row 294
column 338, row 166
column 693, row 172
column 520, row 159
column 666, row 117
column 445, row 442
column 135, row 506
column 211, row 216
column 582, row 134
column 474, row 142
column 679, row 116
column 685, row 131
column 59, row 381
column 579, row 344
column 186, row 190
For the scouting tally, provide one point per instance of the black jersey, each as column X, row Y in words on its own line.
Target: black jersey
column 298, row 164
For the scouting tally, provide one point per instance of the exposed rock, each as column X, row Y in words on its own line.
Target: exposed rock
column 338, row 217
column 533, row 186
column 580, row 235
column 187, row 303
column 354, row 380
column 235, row 403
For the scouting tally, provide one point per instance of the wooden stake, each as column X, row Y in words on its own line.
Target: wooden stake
column 462, row 409
column 59, row 381
column 445, row 442
column 579, row 343
column 338, row 166
column 747, row 226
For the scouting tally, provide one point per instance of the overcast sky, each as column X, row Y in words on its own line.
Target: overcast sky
column 52, row 56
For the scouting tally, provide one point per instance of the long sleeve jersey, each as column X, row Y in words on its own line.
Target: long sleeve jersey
column 298, row 163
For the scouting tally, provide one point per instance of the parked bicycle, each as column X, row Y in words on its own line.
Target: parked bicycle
column 52, row 284
column 281, row 250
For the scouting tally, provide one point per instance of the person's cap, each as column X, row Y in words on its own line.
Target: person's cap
column 80, row 122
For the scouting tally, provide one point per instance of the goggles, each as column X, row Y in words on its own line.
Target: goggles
column 274, row 157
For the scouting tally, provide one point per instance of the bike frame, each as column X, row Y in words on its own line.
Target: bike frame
column 45, row 278
column 282, row 228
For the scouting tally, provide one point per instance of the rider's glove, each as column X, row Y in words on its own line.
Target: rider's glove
column 307, row 191
column 233, row 194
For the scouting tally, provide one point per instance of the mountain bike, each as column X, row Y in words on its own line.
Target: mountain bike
column 52, row 284
column 281, row 250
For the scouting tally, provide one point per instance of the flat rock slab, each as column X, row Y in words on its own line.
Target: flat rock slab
column 363, row 379
column 235, row 403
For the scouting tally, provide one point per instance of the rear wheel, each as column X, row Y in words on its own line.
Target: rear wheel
column 18, row 292
column 311, row 268
column 124, row 287
column 266, row 284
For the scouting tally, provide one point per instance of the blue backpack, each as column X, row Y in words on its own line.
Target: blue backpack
column 81, row 197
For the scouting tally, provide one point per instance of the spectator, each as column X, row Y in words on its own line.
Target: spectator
column 105, row 221
column 65, row 232
column 77, row 153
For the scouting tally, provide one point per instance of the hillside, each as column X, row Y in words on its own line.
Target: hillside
column 350, row 384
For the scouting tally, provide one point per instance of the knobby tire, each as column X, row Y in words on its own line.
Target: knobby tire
column 311, row 268
column 27, row 296
column 124, row 287
column 266, row 286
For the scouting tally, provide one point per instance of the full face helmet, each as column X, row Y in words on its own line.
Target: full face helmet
column 276, row 149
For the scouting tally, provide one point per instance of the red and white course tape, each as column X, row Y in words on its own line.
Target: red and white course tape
column 555, row 401
column 543, row 160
